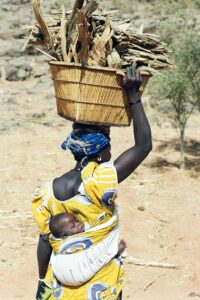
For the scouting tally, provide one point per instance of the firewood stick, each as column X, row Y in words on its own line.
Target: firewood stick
column 59, row 34
column 63, row 35
column 43, row 26
column 140, row 262
column 46, row 54
column 83, row 36
column 71, row 23
column 27, row 41
column 152, row 281
column 78, row 5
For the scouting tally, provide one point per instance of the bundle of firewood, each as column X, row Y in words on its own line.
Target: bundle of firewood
column 90, row 36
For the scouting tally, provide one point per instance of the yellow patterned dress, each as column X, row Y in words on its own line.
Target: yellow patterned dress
column 93, row 206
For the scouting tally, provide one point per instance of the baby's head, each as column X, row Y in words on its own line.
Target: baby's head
column 64, row 224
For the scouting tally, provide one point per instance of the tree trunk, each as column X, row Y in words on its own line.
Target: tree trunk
column 182, row 147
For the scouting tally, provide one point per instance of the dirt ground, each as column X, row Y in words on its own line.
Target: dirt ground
column 159, row 204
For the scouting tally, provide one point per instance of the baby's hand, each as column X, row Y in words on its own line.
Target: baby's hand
column 121, row 247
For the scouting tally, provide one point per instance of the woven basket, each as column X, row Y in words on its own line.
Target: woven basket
column 92, row 95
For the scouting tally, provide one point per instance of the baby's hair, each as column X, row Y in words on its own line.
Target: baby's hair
column 53, row 224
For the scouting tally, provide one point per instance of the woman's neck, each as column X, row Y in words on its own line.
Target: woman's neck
column 78, row 166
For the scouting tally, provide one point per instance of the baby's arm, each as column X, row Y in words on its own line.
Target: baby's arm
column 122, row 246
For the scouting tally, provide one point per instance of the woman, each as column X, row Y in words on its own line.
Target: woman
column 61, row 195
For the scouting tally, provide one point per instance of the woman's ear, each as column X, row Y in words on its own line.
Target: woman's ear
column 99, row 158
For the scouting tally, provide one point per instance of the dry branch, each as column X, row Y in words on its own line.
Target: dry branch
column 77, row 6
column 63, row 35
column 154, row 280
column 149, row 263
column 98, row 52
column 114, row 41
column 114, row 60
column 83, row 37
column 71, row 24
column 46, row 54
column 48, row 38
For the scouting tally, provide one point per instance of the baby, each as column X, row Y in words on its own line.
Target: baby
column 64, row 225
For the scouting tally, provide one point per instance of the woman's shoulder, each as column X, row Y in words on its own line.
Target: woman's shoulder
column 93, row 169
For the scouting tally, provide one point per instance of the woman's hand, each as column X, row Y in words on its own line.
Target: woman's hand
column 43, row 291
column 131, row 82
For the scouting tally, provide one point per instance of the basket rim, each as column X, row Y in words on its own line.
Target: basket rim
column 92, row 68
column 79, row 66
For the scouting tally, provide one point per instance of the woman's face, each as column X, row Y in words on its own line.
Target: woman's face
column 106, row 154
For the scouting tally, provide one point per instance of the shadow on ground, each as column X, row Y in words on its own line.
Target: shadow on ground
column 192, row 152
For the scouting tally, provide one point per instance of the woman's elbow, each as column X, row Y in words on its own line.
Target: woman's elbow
column 148, row 148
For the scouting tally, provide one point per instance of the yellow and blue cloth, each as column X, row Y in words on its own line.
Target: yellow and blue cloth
column 94, row 205
column 86, row 144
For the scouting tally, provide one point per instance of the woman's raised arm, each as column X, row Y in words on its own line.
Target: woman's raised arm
column 128, row 161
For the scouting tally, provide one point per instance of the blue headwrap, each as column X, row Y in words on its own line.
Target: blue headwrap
column 86, row 144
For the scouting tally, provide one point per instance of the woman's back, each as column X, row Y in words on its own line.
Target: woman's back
column 90, row 197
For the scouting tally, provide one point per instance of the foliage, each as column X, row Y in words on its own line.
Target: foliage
column 197, row 3
column 178, row 25
column 180, row 87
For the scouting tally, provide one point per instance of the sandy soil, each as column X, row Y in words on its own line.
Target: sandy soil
column 159, row 204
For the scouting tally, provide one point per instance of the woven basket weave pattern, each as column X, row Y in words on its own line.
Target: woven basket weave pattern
column 90, row 95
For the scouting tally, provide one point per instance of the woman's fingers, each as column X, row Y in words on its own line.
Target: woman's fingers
column 133, row 69
column 121, row 73
column 132, row 79
column 129, row 72
column 138, row 77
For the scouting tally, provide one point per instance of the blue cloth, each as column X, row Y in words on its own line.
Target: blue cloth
column 87, row 144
